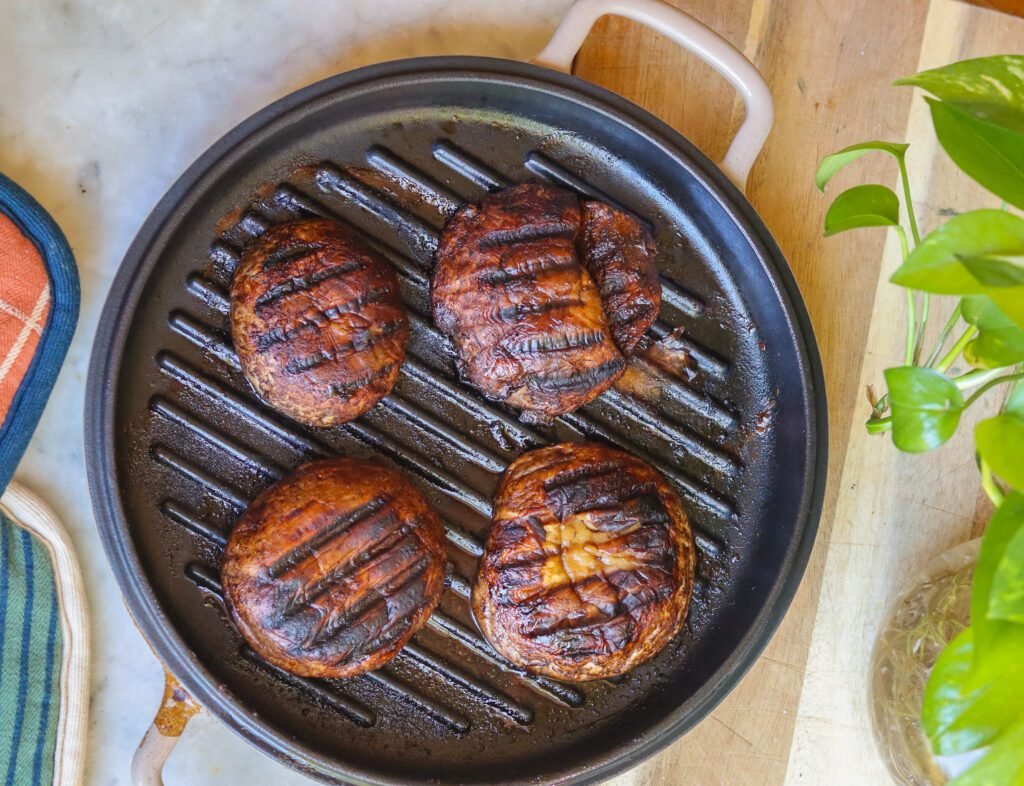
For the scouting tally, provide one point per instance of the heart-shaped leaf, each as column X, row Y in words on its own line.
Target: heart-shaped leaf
column 862, row 206
column 1000, row 442
column 972, row 696
column 1006, row 601
column 995, row 272
column 1010, row 302
column 1001, row 765
column 1000, row 341
column 936, row 264
column 1015, row 400
column 958, row 717
column 990, row 88
column 992, row 635
column 989, row 153
column 833, row 163
column 926, row 408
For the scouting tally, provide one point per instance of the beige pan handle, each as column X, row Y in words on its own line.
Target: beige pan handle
column 176, row 708
column 693, row 36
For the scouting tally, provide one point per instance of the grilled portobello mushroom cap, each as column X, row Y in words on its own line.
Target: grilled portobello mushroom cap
column 525, row 316
column 331, row 570
column 317, row 321
column 619, row 253
column 588, row 568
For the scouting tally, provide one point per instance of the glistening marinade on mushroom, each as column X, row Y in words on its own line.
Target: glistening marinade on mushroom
column 330, row 571
column 589, row 565
column 317, row 322
column 543, row 296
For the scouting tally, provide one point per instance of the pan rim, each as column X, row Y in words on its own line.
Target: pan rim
column 121, row 305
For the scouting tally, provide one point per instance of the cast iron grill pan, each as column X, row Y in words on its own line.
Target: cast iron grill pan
column 180, row 444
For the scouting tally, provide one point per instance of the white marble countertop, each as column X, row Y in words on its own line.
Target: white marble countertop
column 102, row 106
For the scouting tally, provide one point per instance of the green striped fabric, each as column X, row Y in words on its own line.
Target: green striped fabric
column 30, row 659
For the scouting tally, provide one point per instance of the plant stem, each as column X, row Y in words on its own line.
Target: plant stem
column 944, row 333
column 988, row 482
column 908, row 201
column 908, row 351
column 919, row 344
column 991, row 384
column 879, row 425
column 978, row 376
column 957, row 349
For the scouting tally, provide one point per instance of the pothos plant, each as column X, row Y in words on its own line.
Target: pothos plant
column 974, row 700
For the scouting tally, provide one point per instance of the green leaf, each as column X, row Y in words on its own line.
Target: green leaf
column 1006, row 601
column 1015, row 400
column 973, row 696
column 862, row 206
column 926, row 408
column 1002, row 764
column 1000, row 341
column 990, row 88
column 979, row 311
column 946, row 701
column 958, row 717
column 1000, row 442
column 994, row 272
column 988, row 153
column 993, row 635
column 936, row 264
column 1010, row 302
column 833, row 163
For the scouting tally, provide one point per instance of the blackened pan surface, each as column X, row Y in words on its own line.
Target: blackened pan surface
column 731, row 409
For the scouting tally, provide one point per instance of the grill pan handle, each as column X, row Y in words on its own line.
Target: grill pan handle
column 692, row 35
column 176, row 708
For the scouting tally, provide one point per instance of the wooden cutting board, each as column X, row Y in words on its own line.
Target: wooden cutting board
column 800, row 715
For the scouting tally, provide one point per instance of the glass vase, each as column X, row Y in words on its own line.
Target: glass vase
column 921, row 622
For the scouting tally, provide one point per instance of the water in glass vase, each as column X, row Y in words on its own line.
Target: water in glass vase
column 922, row 621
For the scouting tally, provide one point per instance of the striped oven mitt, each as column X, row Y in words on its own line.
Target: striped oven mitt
column 44, row 647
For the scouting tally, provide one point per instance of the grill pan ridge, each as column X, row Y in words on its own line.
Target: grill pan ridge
column 179, row 444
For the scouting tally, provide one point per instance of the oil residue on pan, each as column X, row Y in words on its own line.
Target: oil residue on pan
column 192, row 445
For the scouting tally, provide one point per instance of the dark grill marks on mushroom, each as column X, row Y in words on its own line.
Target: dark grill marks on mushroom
column 317, row 322
column 305, row 283
column 541, row 299
column 588, row 568
column 330, row 571
column 619, row 253
column 317, row 319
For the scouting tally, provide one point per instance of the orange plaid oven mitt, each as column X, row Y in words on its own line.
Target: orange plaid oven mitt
column 24, row 308
column 38, row 310
column 44, row 635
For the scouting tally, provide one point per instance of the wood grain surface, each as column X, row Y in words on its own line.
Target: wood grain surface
column 800, row 714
